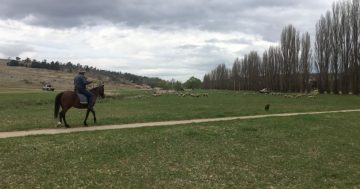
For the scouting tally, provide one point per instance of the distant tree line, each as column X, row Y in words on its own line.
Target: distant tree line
column 332, row 66
column 111, row 75
column 35, row 64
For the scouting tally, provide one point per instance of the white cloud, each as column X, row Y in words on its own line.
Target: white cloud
column 158, row 53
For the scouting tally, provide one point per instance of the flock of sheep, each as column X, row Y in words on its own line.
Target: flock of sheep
column 185, row 94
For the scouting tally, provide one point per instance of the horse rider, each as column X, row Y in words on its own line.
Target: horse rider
column 80, row 83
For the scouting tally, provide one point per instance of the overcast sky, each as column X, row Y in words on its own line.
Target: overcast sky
column 156, row 38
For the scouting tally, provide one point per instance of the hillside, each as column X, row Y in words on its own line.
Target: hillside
column 32, row 78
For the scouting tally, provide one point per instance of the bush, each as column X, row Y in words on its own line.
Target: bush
column 193, row 83
column 13, row 63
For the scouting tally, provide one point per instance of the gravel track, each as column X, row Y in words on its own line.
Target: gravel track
column 154, row 124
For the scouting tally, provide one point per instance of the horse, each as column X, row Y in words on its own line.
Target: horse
column 68, row 99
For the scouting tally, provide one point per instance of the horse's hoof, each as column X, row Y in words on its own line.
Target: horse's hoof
column 85, row 124
column 67, row 126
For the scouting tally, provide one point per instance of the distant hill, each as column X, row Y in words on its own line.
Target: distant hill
column 61, row 76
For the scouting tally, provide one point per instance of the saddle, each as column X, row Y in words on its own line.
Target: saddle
column 83, row 99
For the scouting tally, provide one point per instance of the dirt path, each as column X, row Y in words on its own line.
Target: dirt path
column 152, row 124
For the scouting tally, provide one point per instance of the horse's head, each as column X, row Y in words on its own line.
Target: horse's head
column 102, row 91
column 99, row 90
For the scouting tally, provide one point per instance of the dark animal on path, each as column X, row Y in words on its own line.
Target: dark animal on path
column 69, row 99
column 267, row 107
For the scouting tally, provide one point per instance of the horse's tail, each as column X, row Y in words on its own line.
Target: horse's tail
column 57, row 104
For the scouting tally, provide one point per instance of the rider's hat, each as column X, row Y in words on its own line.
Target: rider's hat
column 82, row 71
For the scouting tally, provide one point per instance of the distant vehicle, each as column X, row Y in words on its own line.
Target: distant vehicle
column 48, row 87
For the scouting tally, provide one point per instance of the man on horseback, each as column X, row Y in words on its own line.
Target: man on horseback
column 80, row 83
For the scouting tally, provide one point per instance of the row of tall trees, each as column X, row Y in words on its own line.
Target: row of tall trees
column 337, row 49
column 281, row 68
column 331, row 66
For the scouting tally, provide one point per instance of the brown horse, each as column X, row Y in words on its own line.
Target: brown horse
column 68, row 99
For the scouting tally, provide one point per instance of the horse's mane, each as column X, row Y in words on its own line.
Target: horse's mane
column 96, row 88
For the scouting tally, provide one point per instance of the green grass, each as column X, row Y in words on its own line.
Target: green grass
column 321, row 151
column 26, row 110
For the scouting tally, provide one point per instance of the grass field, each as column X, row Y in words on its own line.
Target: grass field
column 320, row 151
column 24, row 110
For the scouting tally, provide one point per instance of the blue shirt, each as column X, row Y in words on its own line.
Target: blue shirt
column 80, row 82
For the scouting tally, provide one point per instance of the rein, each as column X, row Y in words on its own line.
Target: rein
column 95, row 91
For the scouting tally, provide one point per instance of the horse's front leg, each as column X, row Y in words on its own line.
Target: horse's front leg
column 94, row 115
column 87, row 115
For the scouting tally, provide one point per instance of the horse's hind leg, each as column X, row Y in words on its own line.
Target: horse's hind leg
column 86, row 117
column 62, row 115
column 60, row 118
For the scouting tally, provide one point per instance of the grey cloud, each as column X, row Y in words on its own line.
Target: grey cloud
column 54, row 13
column 241, row 15
column 230, row 41
column 187, row 46
column 201, row 58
